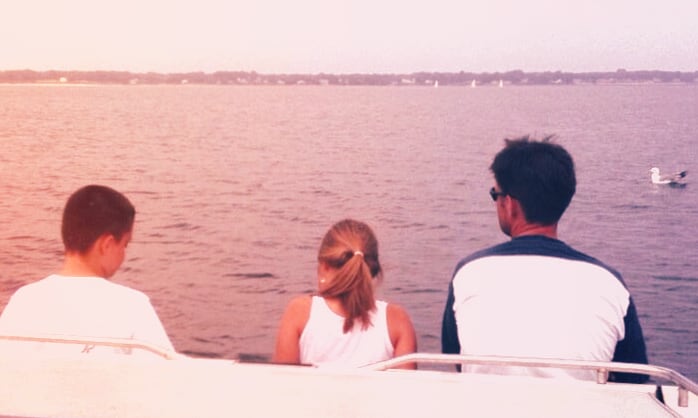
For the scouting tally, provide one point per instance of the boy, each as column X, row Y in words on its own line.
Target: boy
column 79, row 301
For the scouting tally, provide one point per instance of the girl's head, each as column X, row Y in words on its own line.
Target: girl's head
column 348, row 263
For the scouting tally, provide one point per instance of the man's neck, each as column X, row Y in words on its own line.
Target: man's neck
column 523, row 230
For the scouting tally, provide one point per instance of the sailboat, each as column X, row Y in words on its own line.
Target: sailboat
column 436, row 83
column 501, row 83
column 472, row 84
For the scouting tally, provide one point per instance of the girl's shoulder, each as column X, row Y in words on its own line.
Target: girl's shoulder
column 396, row 312
column 300, row 303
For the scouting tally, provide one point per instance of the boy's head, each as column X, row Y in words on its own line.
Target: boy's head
column 93, row 211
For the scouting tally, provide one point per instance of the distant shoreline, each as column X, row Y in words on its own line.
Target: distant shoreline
column 435, row 79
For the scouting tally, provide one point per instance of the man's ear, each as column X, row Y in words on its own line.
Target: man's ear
column 514, row 209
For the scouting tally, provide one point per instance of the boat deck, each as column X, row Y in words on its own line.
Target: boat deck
column 176, row 386
column 188, row 388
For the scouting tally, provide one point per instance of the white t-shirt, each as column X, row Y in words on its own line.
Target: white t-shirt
column 323, row 342
column 82, row 307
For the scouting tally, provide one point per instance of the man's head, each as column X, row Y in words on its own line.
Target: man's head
column 92, row 212
column 539, row 175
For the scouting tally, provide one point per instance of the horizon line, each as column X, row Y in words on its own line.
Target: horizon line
column 619, row 70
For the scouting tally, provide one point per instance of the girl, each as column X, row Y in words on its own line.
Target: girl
column 343, row 324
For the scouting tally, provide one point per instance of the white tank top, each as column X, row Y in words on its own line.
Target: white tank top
column 323, row 343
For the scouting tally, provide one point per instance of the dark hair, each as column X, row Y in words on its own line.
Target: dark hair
column 351, row 248
column 539, row 174
column 93, row 211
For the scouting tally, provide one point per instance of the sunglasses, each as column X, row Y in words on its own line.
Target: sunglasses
column 495, row 194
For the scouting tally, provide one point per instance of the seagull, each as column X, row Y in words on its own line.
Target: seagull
column 671, row 179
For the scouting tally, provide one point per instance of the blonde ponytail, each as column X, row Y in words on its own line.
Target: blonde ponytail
column 351, row 248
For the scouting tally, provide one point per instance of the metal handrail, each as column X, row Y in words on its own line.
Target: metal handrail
column 97, row 341
column 602, row 369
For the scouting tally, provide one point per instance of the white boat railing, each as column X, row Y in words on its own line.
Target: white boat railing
column 96, row 341
column 602, row 369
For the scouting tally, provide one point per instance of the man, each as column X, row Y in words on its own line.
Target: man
column 534, row 296
column 79, row 301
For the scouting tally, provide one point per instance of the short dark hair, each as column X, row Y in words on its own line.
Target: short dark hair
column 539, row 174
column 92, row 211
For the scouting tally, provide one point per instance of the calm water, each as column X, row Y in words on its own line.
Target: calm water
column 235, row 186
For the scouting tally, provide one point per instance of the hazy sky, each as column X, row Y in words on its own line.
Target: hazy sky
column 344, row 36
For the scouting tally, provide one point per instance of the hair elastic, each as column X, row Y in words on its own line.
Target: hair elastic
column 357, row 252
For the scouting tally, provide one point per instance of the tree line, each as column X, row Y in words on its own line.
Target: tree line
column 516, row 77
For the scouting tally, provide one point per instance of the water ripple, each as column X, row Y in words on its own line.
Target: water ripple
column 252, row 275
